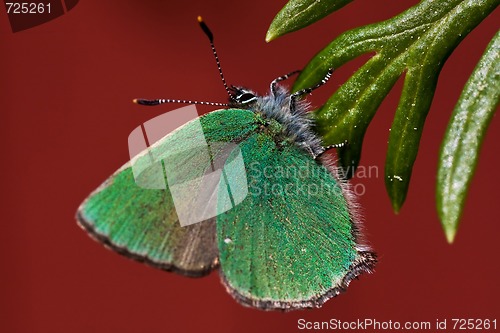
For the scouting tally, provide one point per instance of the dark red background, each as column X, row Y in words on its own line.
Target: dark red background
column 66, row 113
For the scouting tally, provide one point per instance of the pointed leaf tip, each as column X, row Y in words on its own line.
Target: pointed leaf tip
column 270, row 36
column 397, row 189
column 396, row 208
column 297, row 14
column 450, row 235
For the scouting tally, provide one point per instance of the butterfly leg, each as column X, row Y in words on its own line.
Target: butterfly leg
column 294, row 96
column 279, row 79
column 324, row 149
column 337, row 145
column 311, row 151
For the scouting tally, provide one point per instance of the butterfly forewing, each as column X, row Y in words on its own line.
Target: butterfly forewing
column 135, row 213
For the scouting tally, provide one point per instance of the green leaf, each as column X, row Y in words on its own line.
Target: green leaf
column 464, row 135
column 298, row 14
column 416, row 42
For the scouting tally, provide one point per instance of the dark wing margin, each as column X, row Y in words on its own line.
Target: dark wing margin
column 190, row 250
column 366, row 263
column 184, row 265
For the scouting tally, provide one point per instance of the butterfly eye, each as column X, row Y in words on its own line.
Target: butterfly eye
column 246, row 98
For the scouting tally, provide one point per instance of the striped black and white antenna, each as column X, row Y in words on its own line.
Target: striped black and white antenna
column 153, row 102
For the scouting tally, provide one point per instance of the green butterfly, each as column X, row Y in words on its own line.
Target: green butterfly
column 277, row 223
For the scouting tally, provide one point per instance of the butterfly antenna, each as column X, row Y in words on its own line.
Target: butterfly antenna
column 210, row 36
column 153, row 102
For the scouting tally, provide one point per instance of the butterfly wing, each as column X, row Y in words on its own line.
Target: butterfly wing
column 133, row 212
column 292, row 242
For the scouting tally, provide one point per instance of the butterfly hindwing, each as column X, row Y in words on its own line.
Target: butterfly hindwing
column 141, row 222
column 292, row 242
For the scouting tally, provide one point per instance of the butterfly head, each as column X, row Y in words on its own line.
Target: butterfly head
column 242, row 97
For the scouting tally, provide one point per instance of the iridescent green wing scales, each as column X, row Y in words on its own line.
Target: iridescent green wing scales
column 142, row 223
